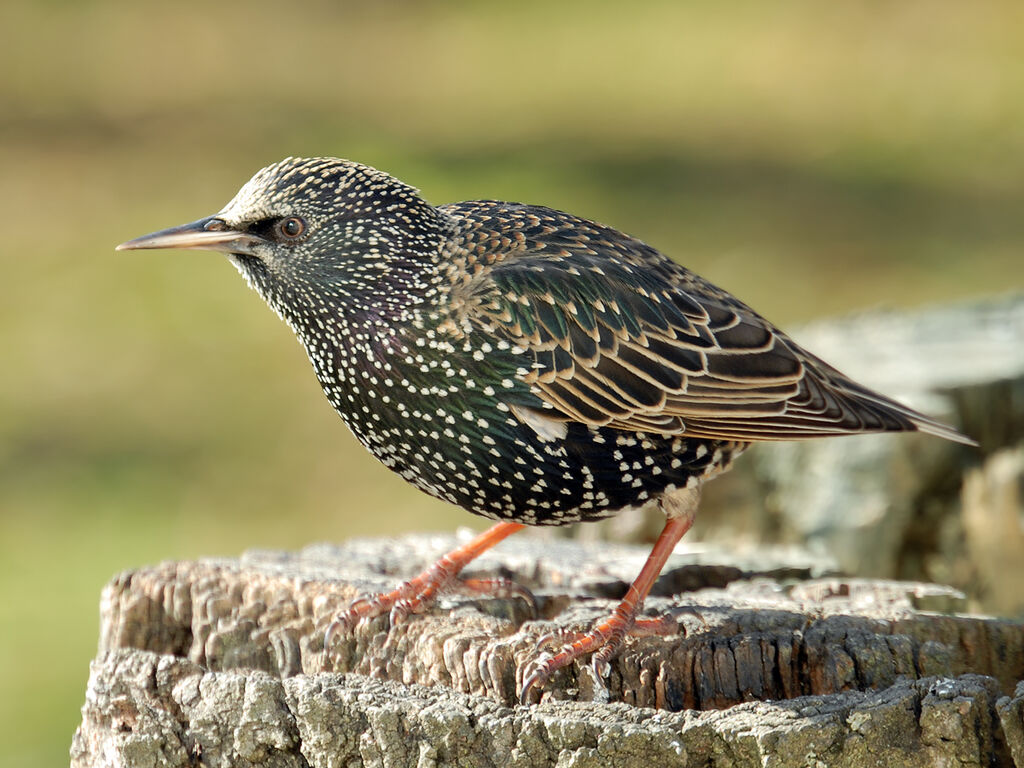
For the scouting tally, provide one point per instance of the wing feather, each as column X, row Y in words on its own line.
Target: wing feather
column 621, row 336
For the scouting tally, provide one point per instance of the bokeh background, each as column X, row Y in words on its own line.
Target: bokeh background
column 814, row 158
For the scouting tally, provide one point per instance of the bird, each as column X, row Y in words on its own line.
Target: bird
column 525, row 364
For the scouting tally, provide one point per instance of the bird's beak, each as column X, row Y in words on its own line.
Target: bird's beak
column 209, row 234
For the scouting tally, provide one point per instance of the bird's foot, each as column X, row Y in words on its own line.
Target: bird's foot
column 409, row 597
column 421, row 592
column 603, row 641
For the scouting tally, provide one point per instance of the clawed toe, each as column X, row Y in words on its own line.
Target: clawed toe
column 603, row 641
column 541, row 668
column 556, row 637
column 344, row 623
column 499, row 587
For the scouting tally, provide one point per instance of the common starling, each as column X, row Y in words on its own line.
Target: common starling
column 530, row 366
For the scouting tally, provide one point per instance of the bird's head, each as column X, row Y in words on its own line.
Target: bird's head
column 308, row 229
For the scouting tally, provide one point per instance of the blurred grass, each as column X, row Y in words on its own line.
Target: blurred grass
column 813, row 158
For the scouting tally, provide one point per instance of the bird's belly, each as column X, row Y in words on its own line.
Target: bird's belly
column 494, row 466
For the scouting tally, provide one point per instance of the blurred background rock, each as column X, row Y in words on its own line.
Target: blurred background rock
column 813, row 158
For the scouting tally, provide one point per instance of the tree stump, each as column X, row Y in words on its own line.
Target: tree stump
column 777, row 663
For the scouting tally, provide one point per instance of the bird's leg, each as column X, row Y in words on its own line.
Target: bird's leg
column 606, row 637
column 422, row 590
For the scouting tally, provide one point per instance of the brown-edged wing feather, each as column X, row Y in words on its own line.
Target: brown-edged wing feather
column 618, row 335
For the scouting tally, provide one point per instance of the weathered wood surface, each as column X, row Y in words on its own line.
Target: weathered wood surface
column 223, row 662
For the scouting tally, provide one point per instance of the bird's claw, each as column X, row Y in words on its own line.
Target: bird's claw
column 603, row 641
column 560, row 636
column 365, row 609
column 500, row 587
column 545, row 664
column 401, row 610
column 542, row 669
column 598, row 640
column 600, row 662
column 339, row 626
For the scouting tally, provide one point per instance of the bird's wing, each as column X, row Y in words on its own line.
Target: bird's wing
column 612, row 333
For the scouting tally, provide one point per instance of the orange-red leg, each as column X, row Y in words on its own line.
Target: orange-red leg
column 415, row 594
column 605, row 639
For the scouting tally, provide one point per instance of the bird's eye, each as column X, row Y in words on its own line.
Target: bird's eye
column 291, row 228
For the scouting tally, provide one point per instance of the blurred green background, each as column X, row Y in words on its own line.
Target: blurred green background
column 813, row 158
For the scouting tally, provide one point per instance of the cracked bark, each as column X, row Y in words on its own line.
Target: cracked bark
column 222, row 663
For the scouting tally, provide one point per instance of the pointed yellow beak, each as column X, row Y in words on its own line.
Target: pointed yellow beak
column 209, row 234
